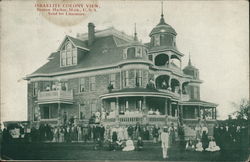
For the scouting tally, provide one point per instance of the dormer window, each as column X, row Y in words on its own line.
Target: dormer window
column 157, row 40
column 133, row 52
column 68, row 55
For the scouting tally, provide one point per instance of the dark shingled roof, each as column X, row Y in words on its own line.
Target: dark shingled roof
column 103, row 52
column 77, row 42
column 166, row 28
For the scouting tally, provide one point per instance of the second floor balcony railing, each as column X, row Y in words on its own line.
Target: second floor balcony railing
column 55, row 96
column 185, row 97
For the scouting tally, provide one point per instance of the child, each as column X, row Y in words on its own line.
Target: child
column 199, row 146
column 139, row 144
column 190, row 145
column 212, row 146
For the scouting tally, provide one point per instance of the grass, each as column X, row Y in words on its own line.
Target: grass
column 85, row 151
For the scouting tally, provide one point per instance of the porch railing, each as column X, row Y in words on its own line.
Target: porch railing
column 185, row 97
column 54, row 96
column 135, row 118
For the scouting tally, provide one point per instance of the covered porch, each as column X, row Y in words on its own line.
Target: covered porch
column 145, row 108
column 198, row 110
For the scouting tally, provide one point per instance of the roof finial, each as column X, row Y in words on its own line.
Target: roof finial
column 135, row 34
column 189, row 60
column 162, row 21
column 162, row 9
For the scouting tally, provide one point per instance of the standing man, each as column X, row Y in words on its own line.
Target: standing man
column 165, row 142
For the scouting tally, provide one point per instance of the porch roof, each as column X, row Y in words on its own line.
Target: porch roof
column 199, row 103
column 134, row 92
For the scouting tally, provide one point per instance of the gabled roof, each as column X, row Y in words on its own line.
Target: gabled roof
column 76, row 42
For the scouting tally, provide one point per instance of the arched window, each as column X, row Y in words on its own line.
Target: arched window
column 68, row 55
column 157, row 40
column 131, row 52
column 163, row 39
column 161, row 59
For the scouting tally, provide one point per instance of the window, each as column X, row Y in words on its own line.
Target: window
column 138, row 52
column 84, row 111
column 138, row 78
column 92, row 84
column 174, row 42
column 112, row 80
column 145, row 51
column 63, row 58
column 45, row 114
column 152, row 41
column 35, row 88
column 124, row 55
column 126, row 83
column 195, row 92
column 82, row 85
column 69, row 55
column 131, row 52
column 157, row 40
column 93, row 107
column 138, row 105
column 49, row 112
column 150, row 57
column 163, row 39
column 74, row 56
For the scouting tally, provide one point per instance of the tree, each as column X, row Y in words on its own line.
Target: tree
column 243, row 109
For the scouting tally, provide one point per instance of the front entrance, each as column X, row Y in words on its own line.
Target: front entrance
column 49, row 111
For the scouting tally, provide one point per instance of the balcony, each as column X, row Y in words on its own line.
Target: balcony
column 57, row 96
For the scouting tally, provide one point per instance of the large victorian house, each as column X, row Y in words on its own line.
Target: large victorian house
column 126, row 81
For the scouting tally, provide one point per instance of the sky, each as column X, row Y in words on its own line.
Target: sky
column 215, row 33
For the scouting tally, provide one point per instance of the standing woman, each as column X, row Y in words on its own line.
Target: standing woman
column 165, row 142
column 155, row 133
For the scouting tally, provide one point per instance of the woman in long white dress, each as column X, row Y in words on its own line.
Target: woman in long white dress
column 129, row 145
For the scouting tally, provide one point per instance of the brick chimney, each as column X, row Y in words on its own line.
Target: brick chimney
column 91, row 33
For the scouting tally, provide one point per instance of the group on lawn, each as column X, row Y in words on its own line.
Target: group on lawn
column 129, row 138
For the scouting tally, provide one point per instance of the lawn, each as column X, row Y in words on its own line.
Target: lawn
column 85, row 151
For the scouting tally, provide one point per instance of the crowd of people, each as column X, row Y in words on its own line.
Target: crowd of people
column 129, row 138
column 226, row 138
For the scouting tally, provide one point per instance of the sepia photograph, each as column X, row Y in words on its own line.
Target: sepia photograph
column 124, row 80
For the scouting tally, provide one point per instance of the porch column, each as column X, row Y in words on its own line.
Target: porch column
column 59, row 112
column 215, row 113
column 169, row 82
column 199, row 112
column 181, row 111
column 195, row 112
column 117, row 105
column 117, row 109
column 176, row 110
column 144, row 107
column 170, row 108
column 166, row 106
